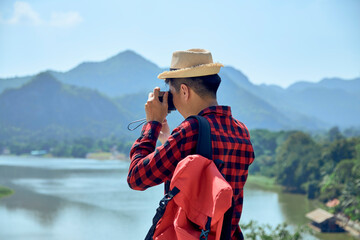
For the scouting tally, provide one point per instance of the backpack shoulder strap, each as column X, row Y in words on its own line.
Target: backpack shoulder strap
column 203, row 146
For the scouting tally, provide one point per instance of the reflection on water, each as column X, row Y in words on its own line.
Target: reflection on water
column 294, row 206
column 262, row 206
column 90, row 199
column 54, row 201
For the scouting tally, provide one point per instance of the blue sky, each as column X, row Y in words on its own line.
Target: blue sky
column 273, row 42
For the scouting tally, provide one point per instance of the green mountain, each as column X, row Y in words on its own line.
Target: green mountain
column 125, row 73
column 256, row 111
column 352, row 85
column 330, row 102
column 49, row 108
column 127, row 78
column 6, row 83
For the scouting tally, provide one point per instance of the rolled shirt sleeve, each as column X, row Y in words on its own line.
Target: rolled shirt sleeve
column 151, row 166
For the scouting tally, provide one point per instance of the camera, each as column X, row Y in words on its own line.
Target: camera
column 171, row 106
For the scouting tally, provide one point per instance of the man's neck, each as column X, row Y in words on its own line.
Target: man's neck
column 202, row 105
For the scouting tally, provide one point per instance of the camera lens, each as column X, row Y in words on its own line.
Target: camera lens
column 171, row 106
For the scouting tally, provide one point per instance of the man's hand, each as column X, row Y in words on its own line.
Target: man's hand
column 165, row 132
column 154, row 109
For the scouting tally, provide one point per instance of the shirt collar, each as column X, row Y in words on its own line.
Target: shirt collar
column 218, row 110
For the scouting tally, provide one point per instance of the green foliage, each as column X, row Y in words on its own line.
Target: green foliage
column 334, row 134
column 264, row 141
column 343, row 180
column 265, row 144
column 350, row 199
column 77, row 148
column 313, row 189
column 297, row 162
column 329, row 189
column 254, row 231
column 357, row 150
column 324, row 169
column 341, row 172
column 4, row 191
column 78, row 151
column 343, row 149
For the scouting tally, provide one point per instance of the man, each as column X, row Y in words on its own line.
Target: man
column 193, row 82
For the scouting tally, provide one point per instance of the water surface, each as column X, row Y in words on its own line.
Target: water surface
column 90, row 199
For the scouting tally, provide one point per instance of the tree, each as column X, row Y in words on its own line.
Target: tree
column 62, row 150
column 79, row 151
column 263, row 141
column 350, row 199
column 334, row 134
column 343, row 149
column 343, row 172
column 298, row 162
column 254, row 231
column 265, row 144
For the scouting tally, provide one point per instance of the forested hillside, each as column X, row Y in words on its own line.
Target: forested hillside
column 45, row 108
column 304, row 105
column 325, row 167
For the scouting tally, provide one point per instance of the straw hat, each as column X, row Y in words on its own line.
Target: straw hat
column 191, row 63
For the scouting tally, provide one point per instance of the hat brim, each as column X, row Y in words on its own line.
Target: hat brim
column 196, row 71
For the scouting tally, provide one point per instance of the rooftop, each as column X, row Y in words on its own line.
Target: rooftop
column 319, row 215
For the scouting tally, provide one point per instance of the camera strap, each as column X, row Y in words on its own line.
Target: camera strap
column 140, row 121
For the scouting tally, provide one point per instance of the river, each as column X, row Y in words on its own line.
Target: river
column 73, row 199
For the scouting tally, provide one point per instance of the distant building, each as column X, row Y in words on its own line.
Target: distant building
column 333, row 203
column 323, row 221
column 6, row 151
column 38, row 152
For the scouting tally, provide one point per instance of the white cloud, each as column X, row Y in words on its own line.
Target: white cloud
column 65, row 19
column 25, row 14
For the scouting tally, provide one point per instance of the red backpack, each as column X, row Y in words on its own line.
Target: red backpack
column 194, row 208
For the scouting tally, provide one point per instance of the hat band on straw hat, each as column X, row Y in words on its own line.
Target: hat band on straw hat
column 191, row 63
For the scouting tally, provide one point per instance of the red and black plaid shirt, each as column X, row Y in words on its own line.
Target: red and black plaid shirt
column 230, row 143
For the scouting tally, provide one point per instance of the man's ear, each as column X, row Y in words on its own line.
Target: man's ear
column 184, row 91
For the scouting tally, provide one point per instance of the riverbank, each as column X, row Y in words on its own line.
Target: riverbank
column 92, row 155
column 269, row 184
column 4, row 191
column 262, row 182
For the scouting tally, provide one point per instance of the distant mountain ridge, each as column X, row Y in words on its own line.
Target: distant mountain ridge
column 108, row 76
column 123, row 73
column 127, row 78
column 352, row 85
column 56, row 110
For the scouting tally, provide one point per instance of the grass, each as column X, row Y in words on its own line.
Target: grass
column 106, row 156
column 262, row 182
column 99, row 155
column 4, row 191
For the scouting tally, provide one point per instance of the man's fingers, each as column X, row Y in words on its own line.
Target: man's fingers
column 156, row 110
column 156, row 92
column 165, row 98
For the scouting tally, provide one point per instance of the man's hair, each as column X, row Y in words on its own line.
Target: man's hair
column 204, row 86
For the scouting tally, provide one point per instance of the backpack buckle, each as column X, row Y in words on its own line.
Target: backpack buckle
column 204, row 233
